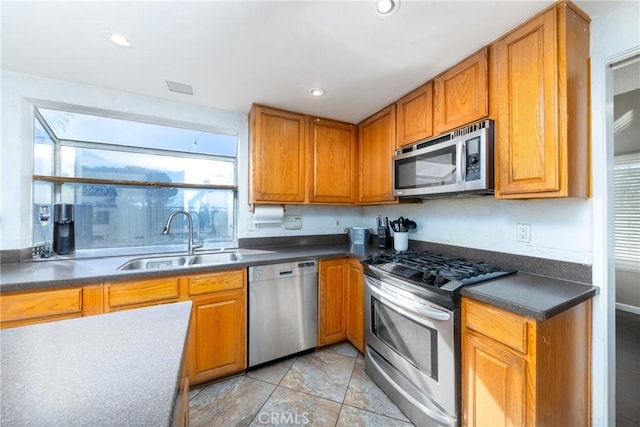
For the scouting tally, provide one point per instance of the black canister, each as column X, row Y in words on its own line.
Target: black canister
column 64, row 241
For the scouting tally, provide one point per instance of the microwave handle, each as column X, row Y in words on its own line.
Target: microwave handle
column 463, row 162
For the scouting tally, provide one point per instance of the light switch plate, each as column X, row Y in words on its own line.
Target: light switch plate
column 292, row 222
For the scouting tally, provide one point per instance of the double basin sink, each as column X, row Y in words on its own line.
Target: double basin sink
column 174, row 261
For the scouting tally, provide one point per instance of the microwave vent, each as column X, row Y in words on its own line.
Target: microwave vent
column 471, row 128
column 445, row 137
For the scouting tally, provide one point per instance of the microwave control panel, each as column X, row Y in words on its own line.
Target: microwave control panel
column 473, row 159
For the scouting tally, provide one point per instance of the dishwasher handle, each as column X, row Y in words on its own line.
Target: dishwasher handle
column 286, row 273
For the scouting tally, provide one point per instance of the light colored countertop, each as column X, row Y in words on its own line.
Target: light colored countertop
column 114, row 369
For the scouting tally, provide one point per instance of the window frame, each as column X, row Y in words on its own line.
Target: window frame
column 57, row 180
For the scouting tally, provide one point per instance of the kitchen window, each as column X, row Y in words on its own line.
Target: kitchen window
column 626, row 182
column 126, row 175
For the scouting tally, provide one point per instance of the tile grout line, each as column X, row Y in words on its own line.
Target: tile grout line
column 370, row 411
column 273, row 391
column 353, row 369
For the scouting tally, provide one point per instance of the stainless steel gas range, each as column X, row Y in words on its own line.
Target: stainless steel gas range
column 412, row 330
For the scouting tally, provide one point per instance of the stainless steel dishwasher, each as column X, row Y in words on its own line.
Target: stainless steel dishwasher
column 283, row 310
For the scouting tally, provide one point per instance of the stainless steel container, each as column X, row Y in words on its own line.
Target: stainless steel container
column 358, row 235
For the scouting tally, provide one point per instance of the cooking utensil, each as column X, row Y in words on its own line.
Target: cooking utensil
column 411, row 225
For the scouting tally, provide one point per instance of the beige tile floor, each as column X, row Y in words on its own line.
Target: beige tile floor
column 325, row 388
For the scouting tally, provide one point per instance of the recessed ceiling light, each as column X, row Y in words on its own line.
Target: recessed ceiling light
column 385, row 7
column 316, row 91
column 119, row 39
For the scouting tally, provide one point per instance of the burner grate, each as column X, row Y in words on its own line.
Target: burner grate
column 436, row 270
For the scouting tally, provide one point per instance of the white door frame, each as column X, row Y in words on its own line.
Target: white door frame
column 603, row 349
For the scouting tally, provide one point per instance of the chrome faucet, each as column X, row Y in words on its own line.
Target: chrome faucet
column 192, row 246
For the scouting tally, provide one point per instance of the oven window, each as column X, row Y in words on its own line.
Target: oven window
column 415, row 342
column 435, row 168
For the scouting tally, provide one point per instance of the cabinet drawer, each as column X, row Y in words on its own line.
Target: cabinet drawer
column 31, row 305
column 142, row 291
column 500, row 325
column 215, row 282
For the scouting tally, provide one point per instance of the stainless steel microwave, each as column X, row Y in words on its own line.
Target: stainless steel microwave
column 457, row 163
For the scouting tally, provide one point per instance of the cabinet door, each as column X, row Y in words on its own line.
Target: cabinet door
column 278, row 143
column 542, row 101
column 527, row 150
column 377, row 139
column 332, row 149
column 331, row 301
column 493, row 385
column 414, row 119
column 462, row 93
column 39, row 306
column 355, row 304
column 218, row 335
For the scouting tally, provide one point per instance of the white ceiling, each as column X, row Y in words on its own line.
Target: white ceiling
column 234, row 53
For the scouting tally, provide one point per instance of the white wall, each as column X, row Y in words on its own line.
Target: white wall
column 560, row 229
column 628, row 290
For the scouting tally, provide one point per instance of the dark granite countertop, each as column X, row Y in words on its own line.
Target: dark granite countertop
column 531, row 295
column 553, row 287
column 114, row 369
column 57, row 273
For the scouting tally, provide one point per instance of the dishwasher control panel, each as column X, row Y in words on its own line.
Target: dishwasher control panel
column 287, row 269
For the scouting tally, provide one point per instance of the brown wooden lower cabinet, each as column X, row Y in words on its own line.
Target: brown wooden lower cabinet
column 218, row 335
column 181, row 406
column 341, row 302
column 39, row 306
column 331, row 301
column 355, row 303
column 517, row 371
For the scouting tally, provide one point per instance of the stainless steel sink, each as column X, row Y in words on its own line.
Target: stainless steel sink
column 210, row 258
column 215, row 258
column 155, row 262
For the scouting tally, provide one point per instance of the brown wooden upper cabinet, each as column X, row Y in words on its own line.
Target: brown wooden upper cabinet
column 414, row 116
column 541, row 106
column 462, row 93
column 278, row 156
column 332, row 148
column 377, row 137
column 297, row 159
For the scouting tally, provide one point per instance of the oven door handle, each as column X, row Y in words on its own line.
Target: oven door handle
column 416, row 308
column 440, row 418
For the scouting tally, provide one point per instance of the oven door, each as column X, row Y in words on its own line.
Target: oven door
column 411, row 352
column 432, row 170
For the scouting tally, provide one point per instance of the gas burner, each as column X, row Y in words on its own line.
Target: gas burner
column 426, row 269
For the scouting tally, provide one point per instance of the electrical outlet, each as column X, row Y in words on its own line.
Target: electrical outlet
column 37, row 250
column 336, row 223
column 251, row 225
column 292, row 222
column 523, row 233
